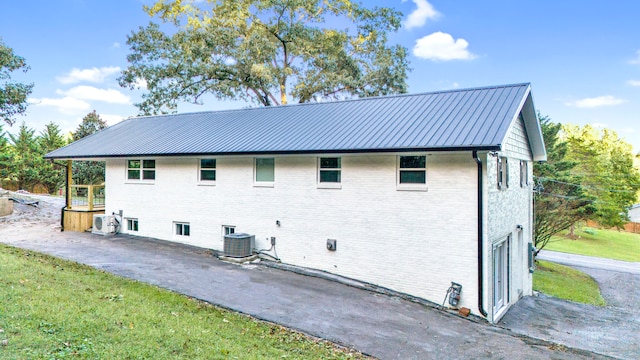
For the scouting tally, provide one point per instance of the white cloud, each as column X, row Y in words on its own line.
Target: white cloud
column 634, row 82
column 94, row 75
column 423, row 12
column 111, row 119
column 637, row 59
column 115, row 45
column 140, row 83
column 66, row 105
column 599, row 101
column 441, row 46
column 85, row 92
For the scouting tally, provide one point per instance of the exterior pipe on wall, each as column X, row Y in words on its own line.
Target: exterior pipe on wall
column 480, row 238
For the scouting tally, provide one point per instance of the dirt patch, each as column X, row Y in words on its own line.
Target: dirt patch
column 47, row 211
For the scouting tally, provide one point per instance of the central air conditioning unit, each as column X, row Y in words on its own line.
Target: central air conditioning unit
column 239, row 245
column 103, row 224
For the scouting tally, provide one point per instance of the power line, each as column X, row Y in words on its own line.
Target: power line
column 590, row 186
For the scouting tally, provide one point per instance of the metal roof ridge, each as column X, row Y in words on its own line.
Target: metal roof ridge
column 370, row 98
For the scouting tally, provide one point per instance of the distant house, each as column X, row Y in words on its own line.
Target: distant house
column 416, row 191
column 634, row 213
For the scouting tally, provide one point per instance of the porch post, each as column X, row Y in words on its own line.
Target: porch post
column 90, row 197
column 69, row 182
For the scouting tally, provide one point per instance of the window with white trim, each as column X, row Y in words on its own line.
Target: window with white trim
column 228, row 230
column 264, row 169
column 182, row 229
column 524, row 173
column 207, row 171
column 141, row 169
column 502, row 172
column 330, row 170
column 132, row 224
column 412, row 170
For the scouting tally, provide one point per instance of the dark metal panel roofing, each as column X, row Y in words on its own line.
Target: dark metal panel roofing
column 463, row 119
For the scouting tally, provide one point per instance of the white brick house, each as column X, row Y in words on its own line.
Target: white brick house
column 416, row 190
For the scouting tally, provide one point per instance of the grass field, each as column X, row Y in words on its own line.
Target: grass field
column 52, row 309
column 566, row 283
column 611, row 244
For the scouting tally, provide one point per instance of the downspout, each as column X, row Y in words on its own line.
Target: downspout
column 480, row 238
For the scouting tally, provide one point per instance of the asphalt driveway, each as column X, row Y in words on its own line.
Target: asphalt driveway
column 387, row 327
column 613, row 330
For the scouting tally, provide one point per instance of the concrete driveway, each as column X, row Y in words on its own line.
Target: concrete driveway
column 613, row 330
column 386, row 327
column 590, row 262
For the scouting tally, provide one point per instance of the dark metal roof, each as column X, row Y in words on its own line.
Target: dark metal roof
column 466, row 119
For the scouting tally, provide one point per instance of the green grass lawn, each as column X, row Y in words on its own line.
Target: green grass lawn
column 611, row 244
column 52, row 309
column 566, row 283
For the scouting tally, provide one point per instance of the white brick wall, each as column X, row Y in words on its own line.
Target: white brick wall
column 415, row 242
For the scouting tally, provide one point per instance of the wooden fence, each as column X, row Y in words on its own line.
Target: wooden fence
column 632, row 227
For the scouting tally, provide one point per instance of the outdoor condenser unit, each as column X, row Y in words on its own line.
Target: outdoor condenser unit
column 103, row 224
column 239, row 245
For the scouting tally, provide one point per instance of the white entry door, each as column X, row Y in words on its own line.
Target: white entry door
column 500, row 275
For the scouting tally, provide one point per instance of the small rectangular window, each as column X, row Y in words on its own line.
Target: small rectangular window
column 182, row 229
column 228, row 230
column 502, row 172
column 132, row 224
column 207, row 170
column 330, row 170
column 133, row 169
column 524, row 173
column 265, row 170
column 148, row 170
column 412, row 170
column 141, row 169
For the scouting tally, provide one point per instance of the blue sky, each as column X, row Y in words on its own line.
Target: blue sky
column 581, row 57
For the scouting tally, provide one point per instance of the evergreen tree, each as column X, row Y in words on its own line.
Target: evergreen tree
column 5, row 157
column 558, row 202
column 52, row 172
column 25, row 158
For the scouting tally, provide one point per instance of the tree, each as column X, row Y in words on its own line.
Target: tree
column 264, row 51
column 51, row 138
column 605, row 163
column 52, row 172
column 91, row 123
column 26, row 158
column 636, row 162
column 13, row 95
column 558, row 202
column 88, row 172
column 5, row 158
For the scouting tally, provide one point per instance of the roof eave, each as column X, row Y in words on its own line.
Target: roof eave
column 495, row 147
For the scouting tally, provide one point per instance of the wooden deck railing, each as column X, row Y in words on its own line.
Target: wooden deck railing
column 87, row 197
